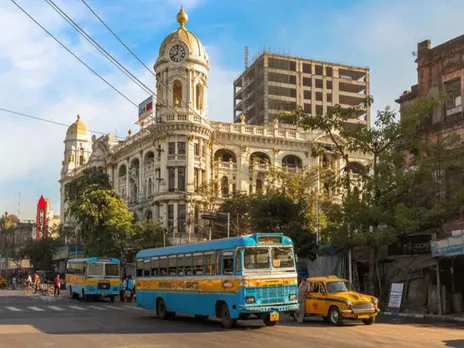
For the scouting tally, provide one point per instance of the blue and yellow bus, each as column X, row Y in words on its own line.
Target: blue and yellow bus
column 235, row 278
column 93, row 277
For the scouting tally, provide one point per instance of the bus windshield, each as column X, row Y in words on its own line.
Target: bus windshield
column 282, row 257
column 256, row 258
column 95, row 270
column 112, row 270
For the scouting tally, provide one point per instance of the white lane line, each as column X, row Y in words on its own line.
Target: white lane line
column 133, row 307
column 77, row 307
column 113, row 307
column 96, row 307
column 55, row 308
column 36, row 309
column 14, row 309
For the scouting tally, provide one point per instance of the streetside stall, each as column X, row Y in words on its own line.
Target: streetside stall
column 449, row 255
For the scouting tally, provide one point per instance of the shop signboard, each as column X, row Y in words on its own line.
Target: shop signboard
column 451, row 246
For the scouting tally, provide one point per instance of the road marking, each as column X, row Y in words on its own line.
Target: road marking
column 113, row 307
column 37, row 309
column 55, row 308
column 14, row 309
column 96, row 307
column 133, row 307
column 77, row 307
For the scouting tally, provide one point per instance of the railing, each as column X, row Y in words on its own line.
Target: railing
column 225, row 165
column 272, row 132
column 177, row 157
column 259, row 167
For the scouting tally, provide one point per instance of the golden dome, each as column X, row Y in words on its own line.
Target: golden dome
column 196, row 48
column 77, row 128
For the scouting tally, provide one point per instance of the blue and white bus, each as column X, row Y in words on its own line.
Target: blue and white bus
column 93, row 277
column 236, row 278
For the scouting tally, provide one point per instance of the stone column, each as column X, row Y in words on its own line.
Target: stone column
column 190, row 170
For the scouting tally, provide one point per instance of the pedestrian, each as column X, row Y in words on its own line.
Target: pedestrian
column 123, row 288
column 36, row 282
column 303, row 290
column 14, row 283
column 130, row 287
column 57, row 285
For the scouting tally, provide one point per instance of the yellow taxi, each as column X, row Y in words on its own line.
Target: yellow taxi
column 335, row 299
column 3, row 283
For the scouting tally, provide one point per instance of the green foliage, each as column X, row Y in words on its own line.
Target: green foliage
column 238, row 205
column 40, row 252
column 148, row 234
column 7, row 221
column 105, row 224
column 91, row 177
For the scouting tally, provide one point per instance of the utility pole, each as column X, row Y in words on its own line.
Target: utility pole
column 228, row 225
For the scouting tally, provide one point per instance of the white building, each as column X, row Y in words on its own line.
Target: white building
column 159, row 169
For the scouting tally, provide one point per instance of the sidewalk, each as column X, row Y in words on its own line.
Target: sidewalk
column 454, row 318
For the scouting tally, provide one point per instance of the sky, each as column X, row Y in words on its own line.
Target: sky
column 40, row 78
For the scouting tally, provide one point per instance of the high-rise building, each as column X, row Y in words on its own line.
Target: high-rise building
column 275, row 83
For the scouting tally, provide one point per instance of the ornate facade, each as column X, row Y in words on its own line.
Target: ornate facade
column 160, row 168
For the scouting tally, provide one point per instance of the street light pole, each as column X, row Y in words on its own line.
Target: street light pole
column 228, row 225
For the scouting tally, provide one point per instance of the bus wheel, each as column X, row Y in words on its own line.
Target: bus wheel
column 267, row 320
column 161, row 309
column 226, row 320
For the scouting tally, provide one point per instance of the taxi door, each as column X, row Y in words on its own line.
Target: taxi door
column 315, row 301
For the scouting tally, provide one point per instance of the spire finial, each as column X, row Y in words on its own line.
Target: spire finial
column 78, row 117
column 182, row 17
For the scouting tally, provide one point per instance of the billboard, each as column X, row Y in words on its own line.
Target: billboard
column 41, row 219
column 146, row 108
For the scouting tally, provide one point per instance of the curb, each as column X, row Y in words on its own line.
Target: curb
column 425, row 316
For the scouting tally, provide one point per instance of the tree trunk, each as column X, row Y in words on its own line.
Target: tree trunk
column 371, row 277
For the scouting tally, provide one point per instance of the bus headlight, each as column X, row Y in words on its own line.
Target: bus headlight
column 250, row 299
column 292, row 297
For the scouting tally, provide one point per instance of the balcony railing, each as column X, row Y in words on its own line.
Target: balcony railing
column 225, row 165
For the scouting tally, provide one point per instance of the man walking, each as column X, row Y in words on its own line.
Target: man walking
column 57, row 284
column 303, row 290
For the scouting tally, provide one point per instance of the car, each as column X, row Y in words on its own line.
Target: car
column 335, row 299
column 3, row 283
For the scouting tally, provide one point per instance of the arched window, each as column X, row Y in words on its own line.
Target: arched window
column 133, row 192
column 177, row 93
column 81, row 155
column 122, row 170
column 149, row 215
column 199, row 97
column 291, row 161
column 225, row 186
column 224, row 155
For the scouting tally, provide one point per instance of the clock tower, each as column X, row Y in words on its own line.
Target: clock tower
column 182, row 74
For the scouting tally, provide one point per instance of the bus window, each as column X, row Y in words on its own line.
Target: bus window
column 198, row 264
column 238, row 263
column 112, row 270
column 139, row 268
column 146, row 268
column 188, row 265
column 228, row 263
column 209, row 263
column 172, row 264
column 163, row 266
column 154, row 266
column 180, row 264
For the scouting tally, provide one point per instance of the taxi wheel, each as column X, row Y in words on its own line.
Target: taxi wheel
column 369, row 321
column 334, row 317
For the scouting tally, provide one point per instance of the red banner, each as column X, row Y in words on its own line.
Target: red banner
column 41, row 219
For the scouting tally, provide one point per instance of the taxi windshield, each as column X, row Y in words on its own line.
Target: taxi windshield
column 339, row 286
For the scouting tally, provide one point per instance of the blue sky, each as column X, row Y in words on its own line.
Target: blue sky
column 40, row 78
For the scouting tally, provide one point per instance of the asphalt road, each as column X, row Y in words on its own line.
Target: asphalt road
column 48, row 322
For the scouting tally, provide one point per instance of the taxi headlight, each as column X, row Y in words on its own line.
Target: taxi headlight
column 249, row 299
column 348, row 302
column 375, row 300
column 292, row 297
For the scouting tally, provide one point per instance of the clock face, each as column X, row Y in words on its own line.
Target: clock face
column 177, row 53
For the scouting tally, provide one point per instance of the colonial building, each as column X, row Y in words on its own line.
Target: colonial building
column 160, row 168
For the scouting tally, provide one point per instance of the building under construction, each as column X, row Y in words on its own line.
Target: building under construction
column 275, row 83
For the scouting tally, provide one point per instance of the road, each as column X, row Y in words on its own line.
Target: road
column 48, row 322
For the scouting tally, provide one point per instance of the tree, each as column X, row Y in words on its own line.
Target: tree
column 148, row 234
column 104, row 222
column 370, row 213
column 90, row 177
column 40, row 252
column 238, row 206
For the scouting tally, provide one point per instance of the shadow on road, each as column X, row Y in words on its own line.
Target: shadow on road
column 454, row 343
